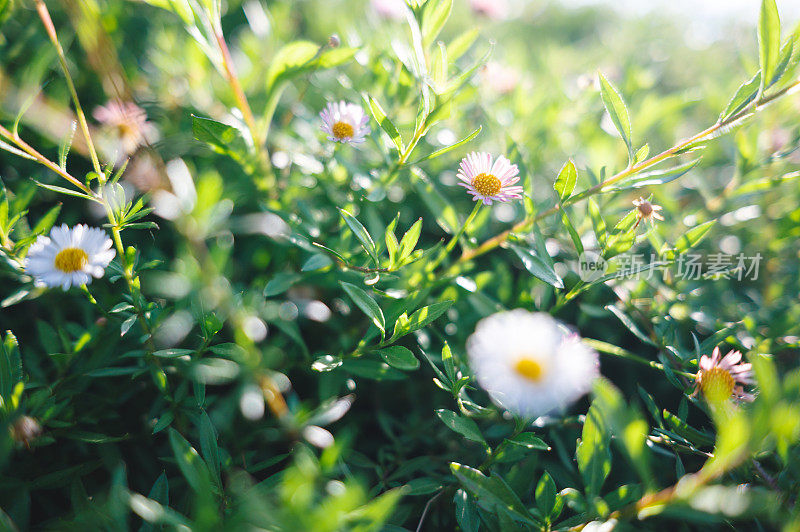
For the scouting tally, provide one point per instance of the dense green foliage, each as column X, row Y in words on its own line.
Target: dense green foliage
column 280, row 342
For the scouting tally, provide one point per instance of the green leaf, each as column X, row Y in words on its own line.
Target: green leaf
column 419, row 319
column 371, row 368
column 618, row 111
column 539, row 267
column 565, row 182
column 172, row 353
column 466, row 512
column 438, row 205
column 462, row 43
column 62, row 190
column 744, row 96
column 692, row 237
column 367, row 305
column 10, row 367
column 179, row 7
column 386, row 124
column 209, row 446
column 222, row 138
column 462, row 425
column 529, row 440
column 656, row 177
column 409, row 240
column 399, row 357
column 599, row 225
column 315, row 262
column 361, row 233
column 494, row 492
column 280, row 283
column 446, row 149
column 769, row 41
column 193, row 468
column 546, row 494
column 6, row 6
column 434, row 15
column 629, row 428
column 47, row 221
column 300, row 57
column 593, row 453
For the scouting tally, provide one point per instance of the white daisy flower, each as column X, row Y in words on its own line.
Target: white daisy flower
column 69, row 257
column 489, row 182
column 529, row 364
column 345, row 122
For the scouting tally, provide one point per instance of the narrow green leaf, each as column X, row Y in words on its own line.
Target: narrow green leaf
column 386, row 124
column 367, row 305
column 446, row 149
column 192, row 467
column 744, row 96
column 546, row 494
column 565, row 182
column 769, row 41
column 361, row 233
column 462, row 425
column 301, row 57
column 618, row 111
column 434, row 15
column 494, row 492
column 399, row 357
column 537, row 266
column 593, row 453
column 693, row 236
column 47, row 221
column 598, row 223
column 410, row 239
column 529, row 440
column 209, row 446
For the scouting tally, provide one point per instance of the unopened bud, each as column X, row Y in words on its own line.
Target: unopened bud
column 334, row 41
column 25, row 430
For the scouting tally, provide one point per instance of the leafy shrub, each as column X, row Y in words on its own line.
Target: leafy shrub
column 299, row 321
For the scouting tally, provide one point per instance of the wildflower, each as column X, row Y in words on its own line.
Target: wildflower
column 128, row 124
column 389, row 9
column 345, row 122
column 647, row 211
column 500, row 78
column 721, row 378
column 489, row 182
column 528, row 364
column 493, row 9
column 69, row 256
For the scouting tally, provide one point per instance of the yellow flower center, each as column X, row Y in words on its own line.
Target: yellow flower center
column 717, row 385
column 71, row 260
column 486, row 184
column 342, row 130
column 530, row 369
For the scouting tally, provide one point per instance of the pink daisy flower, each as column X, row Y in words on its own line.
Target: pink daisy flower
column 493, row 9
column 345, row 122
column 389, row 9
column 128, row 124
column 721, row 378
column 489, row 182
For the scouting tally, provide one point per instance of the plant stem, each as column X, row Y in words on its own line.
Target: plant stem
column 133, row 287
column 614, row 350
column 44, row 14
column 631, row 170
column 28, row 149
